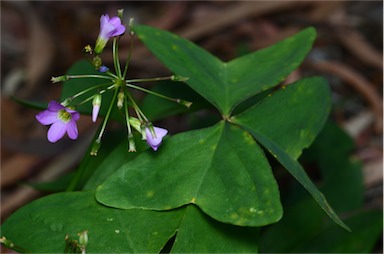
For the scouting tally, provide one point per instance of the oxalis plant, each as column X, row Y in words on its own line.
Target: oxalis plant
column 205, row 190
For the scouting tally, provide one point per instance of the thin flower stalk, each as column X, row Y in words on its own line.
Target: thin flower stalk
column 179, row 101
column 116, row 61
column 131, row 142
column 129, row 56
column 97, row 142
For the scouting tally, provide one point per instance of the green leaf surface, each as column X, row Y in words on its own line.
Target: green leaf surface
column 291, row 116
column 57, row 185
column 301, row 109
column 31, row 104
column 305, row 230
column 332, row 153
column 198, row 233
column 300, row 223
column 304, row 227
column 221, row 169
column 113, row 230
column 366, row 228
column 118, row 156
column 297, row 171
column 41, row 226
column 227, row 84
column 90, row 163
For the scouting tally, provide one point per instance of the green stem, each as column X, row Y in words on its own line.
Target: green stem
column 81, row 170
column 183, row 102
column 129, row 57
column 116, row 62
column 131, row 142
column 107, row 115
column 148, row 79
column 89, row 76
column 138, row 111
column 88, row 89
column 91, row 97
column 76, row 178
column 112, row 75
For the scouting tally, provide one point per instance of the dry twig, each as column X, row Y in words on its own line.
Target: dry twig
column 358, row 82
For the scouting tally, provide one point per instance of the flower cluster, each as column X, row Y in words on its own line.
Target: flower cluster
column 63, row 117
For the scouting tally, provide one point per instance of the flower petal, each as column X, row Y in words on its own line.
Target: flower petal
column 56, row 131
column 155, row 142
column 47, row 117
column 72, row 130
column 104, row 19
column 119, row 30
column 55, row 106
column 95, row 112
column 74, row 114
column 116, row 21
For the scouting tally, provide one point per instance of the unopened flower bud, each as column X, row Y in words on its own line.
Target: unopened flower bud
column 188, row 104
column 135, row 123
column 6, row 242
column 95, row 147
column 96, row 61
column 131, row 143
column 96, row 103
column 179, row 78
column 120, row 13
column 130, row 26
column 143, row 132
column 120, row 99
column 59, row 79
column 83, row 238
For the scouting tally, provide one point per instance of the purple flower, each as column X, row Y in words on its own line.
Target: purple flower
column 155, row 142
column 61, row 119
column 109, row 27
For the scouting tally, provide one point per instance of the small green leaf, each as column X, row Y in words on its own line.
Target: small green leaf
column 221, row 169
column 227, row 84
column 41, row 226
